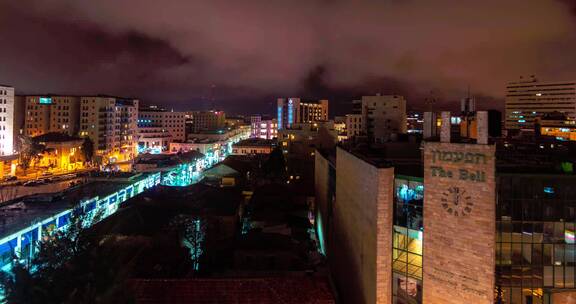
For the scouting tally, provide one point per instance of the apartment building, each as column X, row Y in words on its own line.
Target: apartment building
column 382, row 116
column 529, row 98
column 205, row 120
column 51, row 114
column 112, row 124
column 157, row 128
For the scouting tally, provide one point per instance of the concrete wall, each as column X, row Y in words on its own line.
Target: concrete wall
column 459, row 223
column 321, row 171
column 361, row 260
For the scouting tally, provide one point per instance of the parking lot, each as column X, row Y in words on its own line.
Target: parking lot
column 49, row 184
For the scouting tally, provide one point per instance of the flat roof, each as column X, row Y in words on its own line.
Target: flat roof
column 22, row 212
column 512, row 157
column 260, row 142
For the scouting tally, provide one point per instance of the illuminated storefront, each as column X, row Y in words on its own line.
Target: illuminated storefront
column 407, row 239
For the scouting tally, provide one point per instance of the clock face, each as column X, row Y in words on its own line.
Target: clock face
column 457, row 202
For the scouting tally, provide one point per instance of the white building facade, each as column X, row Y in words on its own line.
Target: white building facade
column 530, row 98
column 157, row 128
column 7, row 120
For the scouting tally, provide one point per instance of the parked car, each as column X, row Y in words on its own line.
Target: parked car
column 47, row 173
column 32, row 183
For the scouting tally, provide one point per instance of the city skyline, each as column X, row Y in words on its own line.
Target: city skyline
column 237, row 55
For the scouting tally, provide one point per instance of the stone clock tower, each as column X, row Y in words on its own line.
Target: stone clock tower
column 459, row 219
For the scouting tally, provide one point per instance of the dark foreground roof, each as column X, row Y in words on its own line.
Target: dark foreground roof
column 301, row 290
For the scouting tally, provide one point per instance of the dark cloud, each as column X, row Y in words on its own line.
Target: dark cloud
column 175, row 51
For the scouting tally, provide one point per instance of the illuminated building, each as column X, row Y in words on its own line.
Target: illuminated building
column 301, row 139
column 253, row 146
column 340, row 127
column 157, row 128
column 111, row 123
column 62, row 152
column 265, row 129
column 235, row 121
column 24, row 226
column 8, row 165
column 415, row 122
column 529, row 98
column 8, row 122
column 49, row 114
column 458, row 220
column 206, row 121
column 557, row 126
column 292, row 110
column 382, row 116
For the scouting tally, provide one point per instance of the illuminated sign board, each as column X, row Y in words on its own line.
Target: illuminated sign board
column 459, row 203
column 45, row 100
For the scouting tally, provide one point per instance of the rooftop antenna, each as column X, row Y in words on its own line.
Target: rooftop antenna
column 430, row 101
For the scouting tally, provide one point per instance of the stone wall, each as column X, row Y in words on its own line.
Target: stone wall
column 362, row 256
column 459, row 223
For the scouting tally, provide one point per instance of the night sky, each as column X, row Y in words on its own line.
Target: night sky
column 172, row 52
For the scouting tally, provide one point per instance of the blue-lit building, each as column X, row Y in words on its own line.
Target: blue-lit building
column 292, row 110
column 25, row 222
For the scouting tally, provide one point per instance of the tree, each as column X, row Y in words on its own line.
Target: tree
column 88, row 149
column 71, row 266
column 30, row 151
column 192, row 232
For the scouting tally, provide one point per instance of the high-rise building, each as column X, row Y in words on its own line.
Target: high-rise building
column 382, row 116
column 529, row 98
column 205, row 121
column 51, row 114
column 157, row 128
column 7, row 120
column 293, row 110
column 111, row 123
column 263, row 128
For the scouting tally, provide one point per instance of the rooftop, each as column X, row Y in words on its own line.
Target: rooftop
column 169, row 159
column 56, row 137
column 405, row 157
column 520, row 156
column 194, row 199
column 259, row 142
column 288, row 290
column 20, row 213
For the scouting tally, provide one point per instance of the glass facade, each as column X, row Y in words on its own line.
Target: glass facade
column 407, row 240
column 535, row 250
